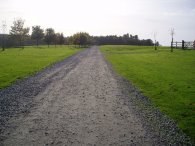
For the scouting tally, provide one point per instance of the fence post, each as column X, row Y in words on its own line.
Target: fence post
column 183, row 47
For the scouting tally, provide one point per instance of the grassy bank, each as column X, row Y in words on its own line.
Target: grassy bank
column 17, row 63
column 168, row 79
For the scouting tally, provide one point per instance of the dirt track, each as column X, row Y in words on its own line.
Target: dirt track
column 82, row 104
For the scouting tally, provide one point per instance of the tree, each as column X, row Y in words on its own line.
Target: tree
column 76, row 39
column 126, row 39
column 81, row 39
column 172, row 34
column 3, row 35
column 136, row 37
column 56, row 39
column 61, row 39
column 155, row 43
column 70, row 40
column 37, row 34
column 49, row 36
column 84, row 39
column 18, row 32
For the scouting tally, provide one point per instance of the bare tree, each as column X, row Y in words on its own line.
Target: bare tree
column 155, row 43
column 172, row 35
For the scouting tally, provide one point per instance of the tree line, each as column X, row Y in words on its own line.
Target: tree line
column 19, row 37
column 126, row 39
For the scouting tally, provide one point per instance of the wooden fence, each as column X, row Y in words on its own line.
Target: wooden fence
column 183, row 45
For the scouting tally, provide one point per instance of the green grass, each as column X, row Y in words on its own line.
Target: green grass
column 17, row 63
column 168, row 79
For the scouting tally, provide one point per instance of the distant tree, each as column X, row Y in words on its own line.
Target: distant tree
column 61, row 39
column 76, row 39
column 172, row 34
column 126, row 39
column 84, row 38
column 147, row 42
column 37, row 34
column 18, row 32
column 155, row 43
column 56, row 38
column 49, row 36
column 81, row 39
column 136, row 37
column 3, row 35
column 70, row 40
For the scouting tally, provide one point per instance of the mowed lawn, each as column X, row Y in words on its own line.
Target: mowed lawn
column 17, row 63
column 168, row 79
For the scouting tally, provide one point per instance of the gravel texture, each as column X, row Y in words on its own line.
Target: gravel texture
column 81, row 101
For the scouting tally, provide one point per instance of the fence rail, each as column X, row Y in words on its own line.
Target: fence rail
column 183, row 45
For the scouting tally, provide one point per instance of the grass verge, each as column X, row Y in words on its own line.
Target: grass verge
column 168, row 79
column 17, row 63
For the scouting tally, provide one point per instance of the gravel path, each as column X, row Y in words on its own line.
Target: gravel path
column 78, row 101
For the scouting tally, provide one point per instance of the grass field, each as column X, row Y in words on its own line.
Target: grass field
column 19, row 63
column 168, row 79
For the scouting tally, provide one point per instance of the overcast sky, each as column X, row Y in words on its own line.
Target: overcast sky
column 106, row 17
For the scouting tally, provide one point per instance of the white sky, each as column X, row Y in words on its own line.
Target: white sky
column 106, row 17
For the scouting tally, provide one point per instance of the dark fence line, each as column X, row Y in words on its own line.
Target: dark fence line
column 183, row 45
